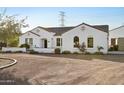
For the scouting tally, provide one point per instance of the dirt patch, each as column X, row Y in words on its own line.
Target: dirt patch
column 4, row 62
column 59, row 70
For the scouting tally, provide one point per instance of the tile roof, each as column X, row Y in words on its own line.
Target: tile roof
column 61, row 30
column 117, row 28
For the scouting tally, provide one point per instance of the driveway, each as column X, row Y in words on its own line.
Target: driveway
column 57, row 70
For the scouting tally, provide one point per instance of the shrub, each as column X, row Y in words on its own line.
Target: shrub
column 87, row 53
column 33, row 52
column 18, row 52
column 11, row 51
column 2, row 45
column 57, row 51
column 66, row 52
column 7, row 52
column 25, row 45
column 98, row 53
column 110, row 49
column 113, row 48
column 75, row 53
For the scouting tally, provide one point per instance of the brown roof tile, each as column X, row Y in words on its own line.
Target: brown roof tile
column 60, row 30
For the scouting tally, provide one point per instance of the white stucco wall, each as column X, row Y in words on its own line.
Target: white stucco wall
column 44, row 50
column 116, row 33
column 37, row 39
column 100, row 38
column 45, row 35
column 13, row 49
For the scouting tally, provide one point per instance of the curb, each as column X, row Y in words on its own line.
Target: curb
column 8, row 65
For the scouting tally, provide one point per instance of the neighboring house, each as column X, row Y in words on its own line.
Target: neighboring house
column 47, row 39
column 116, row 37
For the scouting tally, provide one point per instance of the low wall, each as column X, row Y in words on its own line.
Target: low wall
column 13, row 49
column 43, row 50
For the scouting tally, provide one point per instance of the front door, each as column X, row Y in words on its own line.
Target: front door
column 45, row 43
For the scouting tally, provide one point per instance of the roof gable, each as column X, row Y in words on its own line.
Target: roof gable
column 117, row 28
column 32, row 33
column 104, row 28
column 60, row 30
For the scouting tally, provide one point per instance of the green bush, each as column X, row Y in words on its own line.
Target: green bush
column 33, row 52
column 98, row 53
column 7, row 52
column 110, row 49
column 113, row 48
column 25, row 45
column 87, row 53
column 75, row 52
column 66, row 52
column 2, row 45
column 11, row 52
column 57, row 51
column 18, row 52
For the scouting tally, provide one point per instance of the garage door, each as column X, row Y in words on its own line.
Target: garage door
column 121, row 44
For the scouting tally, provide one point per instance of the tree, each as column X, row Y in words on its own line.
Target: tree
column 10, row 28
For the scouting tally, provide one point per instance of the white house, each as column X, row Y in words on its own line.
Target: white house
column 46, row 40
column 116, row 37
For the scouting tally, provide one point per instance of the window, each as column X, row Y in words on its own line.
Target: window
column 76, row 41
column 26, row 40
column 31, row 41
column 57, row 41
column 90, row 42
column 113, row 41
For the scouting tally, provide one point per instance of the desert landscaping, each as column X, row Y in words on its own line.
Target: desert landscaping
column 56, row 69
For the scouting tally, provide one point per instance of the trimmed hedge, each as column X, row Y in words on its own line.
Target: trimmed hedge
column 113, row 48
column 33, row 52
column 75, row 53
column 25, row 46
column 2, row 45
column 57, row 51
column 98, row 53
column 66, row 52
column 87, row 53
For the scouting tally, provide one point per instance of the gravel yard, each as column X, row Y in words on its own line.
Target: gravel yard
column 46, row 69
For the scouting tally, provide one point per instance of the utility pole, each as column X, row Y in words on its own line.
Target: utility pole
column 62, row 20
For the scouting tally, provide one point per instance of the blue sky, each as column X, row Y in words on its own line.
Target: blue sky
column 49, row 16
